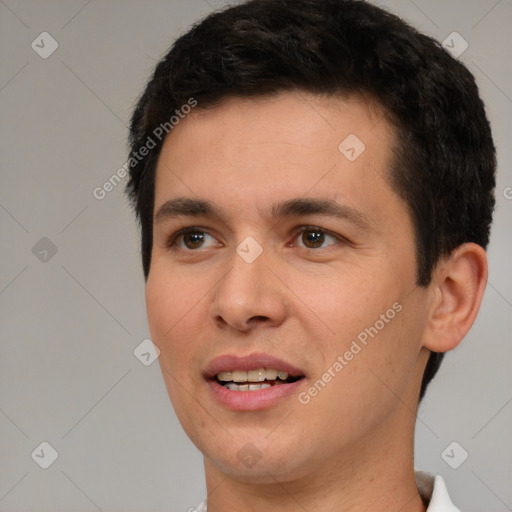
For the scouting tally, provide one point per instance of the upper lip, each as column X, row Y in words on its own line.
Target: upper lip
column 230, row 362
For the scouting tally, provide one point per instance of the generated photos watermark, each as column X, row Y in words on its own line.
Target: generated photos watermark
column 355, row 348
column 158, row 134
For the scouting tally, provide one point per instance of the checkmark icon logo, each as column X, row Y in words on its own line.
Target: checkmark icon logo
column 44, row 455
column 44, row 45
column 249, row 249
column 454, row 455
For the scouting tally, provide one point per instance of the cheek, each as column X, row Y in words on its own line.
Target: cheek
column 170, row 297
column 171, row 317
column 344, row 300
column 379, row 359
column 369, row 320
column 161, row 305
column 172, row 305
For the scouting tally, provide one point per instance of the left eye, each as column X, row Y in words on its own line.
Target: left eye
column 314, row 238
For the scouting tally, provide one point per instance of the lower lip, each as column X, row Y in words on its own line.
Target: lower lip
column 252, row 400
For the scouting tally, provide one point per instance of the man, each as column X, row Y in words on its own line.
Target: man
column 314, row 183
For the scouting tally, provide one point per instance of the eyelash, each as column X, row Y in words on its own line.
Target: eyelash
column 173, row 239
column 171, row 242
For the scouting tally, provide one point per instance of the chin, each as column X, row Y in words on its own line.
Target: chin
column 258, row 461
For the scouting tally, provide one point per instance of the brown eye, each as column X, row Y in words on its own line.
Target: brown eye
column 313, row 239
column 193, row 239
column 189, row 239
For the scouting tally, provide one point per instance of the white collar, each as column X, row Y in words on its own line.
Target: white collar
column 432, row 489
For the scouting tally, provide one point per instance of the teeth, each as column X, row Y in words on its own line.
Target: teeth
column 246, row 387
column 271, row 374
column 258, row 375
column 255, row 387
column 225, row 376
column 239, row 376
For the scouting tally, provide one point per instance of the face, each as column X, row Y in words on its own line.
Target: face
column 279, row 246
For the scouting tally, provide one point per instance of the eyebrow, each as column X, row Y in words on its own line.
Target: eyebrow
column 189, row 207
column 186, row 207
column 327, row 207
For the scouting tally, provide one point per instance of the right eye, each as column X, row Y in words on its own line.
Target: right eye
column 191, row 239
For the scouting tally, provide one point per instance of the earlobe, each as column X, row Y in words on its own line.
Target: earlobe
column 458, row 285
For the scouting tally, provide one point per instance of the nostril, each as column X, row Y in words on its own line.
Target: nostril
column 258, row 318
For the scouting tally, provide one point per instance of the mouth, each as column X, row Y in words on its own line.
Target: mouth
column 252, row 382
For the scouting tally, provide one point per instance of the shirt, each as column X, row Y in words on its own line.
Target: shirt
column 434, row 489
column 431, row 488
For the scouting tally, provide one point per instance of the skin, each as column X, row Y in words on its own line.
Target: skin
column 351, row 446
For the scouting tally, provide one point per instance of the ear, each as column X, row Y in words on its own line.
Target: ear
column 456, row 291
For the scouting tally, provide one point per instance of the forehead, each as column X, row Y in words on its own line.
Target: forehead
column 290, row 144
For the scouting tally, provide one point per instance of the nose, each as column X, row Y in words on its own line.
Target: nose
column 249, row 295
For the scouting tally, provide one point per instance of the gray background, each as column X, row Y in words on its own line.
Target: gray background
column 70, row 323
